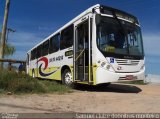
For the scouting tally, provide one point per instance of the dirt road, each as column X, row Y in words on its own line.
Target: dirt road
column 114, row 98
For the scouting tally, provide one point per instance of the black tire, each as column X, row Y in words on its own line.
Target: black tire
column 67, row 78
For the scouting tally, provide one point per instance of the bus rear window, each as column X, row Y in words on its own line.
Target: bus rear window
column 34, row 54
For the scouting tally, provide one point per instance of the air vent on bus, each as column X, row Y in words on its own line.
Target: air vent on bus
column 127, row 62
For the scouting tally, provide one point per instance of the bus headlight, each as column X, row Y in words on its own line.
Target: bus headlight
column 108, row 67
column 105, row 65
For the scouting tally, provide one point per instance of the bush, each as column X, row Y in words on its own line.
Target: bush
column 22, row 83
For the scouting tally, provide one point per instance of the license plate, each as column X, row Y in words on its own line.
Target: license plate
column 130, row 77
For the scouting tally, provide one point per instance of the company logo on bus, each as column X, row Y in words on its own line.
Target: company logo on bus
column 129, row 61
column 45, row 62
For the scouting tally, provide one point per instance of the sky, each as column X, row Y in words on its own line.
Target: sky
column 34, row 20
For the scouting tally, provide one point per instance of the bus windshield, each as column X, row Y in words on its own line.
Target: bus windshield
column 116, row 37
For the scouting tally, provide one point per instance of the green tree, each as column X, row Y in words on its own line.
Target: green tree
column 9, row 49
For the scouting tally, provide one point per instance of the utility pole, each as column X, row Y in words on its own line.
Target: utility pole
column 4, row 27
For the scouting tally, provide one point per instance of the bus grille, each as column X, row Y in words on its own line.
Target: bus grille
column 127, row 62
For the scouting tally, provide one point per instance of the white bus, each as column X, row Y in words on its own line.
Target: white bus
column 101, row 45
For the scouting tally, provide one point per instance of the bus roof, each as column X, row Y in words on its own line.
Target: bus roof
column 89, row 10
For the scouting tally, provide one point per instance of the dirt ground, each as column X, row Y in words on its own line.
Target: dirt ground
column 115, row 98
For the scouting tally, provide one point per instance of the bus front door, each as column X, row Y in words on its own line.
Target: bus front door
column 81, row 52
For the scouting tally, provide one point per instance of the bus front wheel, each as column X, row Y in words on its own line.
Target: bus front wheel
column 67, row 78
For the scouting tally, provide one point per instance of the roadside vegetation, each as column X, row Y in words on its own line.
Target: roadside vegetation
column 18, row 83
column 9, row 49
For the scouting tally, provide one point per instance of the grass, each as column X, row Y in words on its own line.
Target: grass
column 21, row 83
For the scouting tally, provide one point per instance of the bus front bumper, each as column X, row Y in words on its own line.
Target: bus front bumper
column 105, row 76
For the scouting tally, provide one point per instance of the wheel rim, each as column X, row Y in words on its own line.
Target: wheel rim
column 68, row 78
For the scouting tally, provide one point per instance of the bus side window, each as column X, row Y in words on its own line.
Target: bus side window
column 45, row 48
column 39, row 51
column 66, row 37
column 54, row 43
column 33, row 54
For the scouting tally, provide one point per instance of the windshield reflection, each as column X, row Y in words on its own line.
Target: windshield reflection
column 119, row 38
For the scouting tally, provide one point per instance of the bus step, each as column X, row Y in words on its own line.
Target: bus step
column 81, row 76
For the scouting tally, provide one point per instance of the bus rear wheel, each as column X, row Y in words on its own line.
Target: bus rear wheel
column 67, row 78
